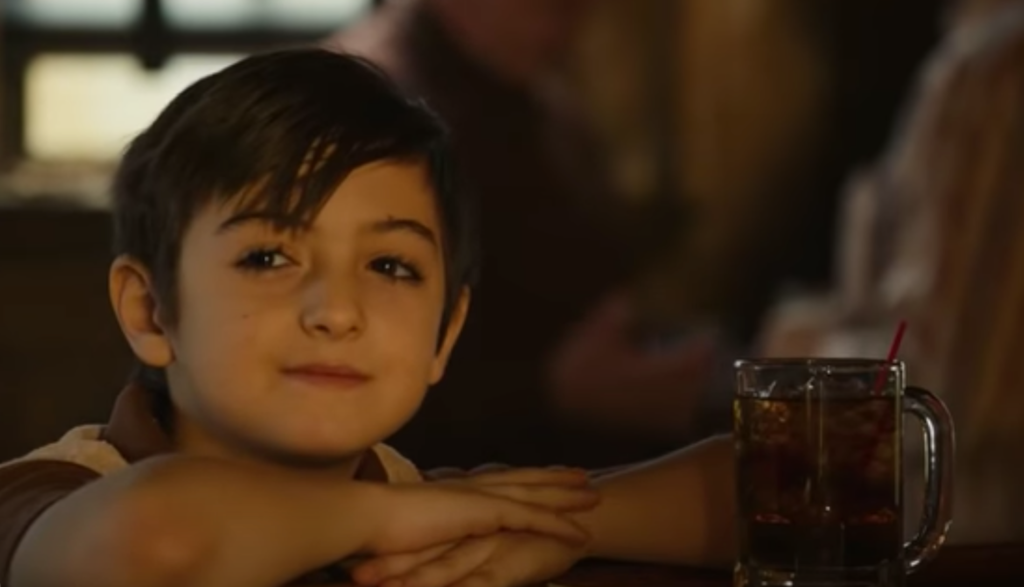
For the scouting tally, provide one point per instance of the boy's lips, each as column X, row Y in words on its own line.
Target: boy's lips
column 338, row 376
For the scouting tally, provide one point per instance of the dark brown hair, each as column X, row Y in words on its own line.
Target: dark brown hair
column 294, row 123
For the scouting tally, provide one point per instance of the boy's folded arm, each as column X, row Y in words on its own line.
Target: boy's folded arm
column 27, row 489
column 186, row 521
column 679, row 509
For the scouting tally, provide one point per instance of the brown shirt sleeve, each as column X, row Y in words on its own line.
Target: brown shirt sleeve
column 26, row 490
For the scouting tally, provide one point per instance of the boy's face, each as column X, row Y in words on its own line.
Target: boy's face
column 313, row 345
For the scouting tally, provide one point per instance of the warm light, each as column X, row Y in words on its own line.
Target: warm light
column 87, row 107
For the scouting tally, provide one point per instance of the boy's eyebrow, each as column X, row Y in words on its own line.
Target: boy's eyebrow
column 407, row 225
column 243, row 218
column 390, row 224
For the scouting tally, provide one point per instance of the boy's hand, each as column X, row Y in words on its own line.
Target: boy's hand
column 556, row 475
column 500, row 560
column 556, row 488
column 502, row 475
column 419, row 516
column 508, row 559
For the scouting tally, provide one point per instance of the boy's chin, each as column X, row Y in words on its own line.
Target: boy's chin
column 312, row 444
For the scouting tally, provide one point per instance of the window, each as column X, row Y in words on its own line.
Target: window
column 74, row 13
column 75, row 82
column 279, row 13
column 202, row 14
column 86, row 107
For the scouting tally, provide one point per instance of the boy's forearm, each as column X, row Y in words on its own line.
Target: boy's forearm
column 678, row 509
column 196, row 522
column 268, row 527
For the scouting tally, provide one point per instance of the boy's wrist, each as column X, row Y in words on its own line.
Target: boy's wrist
column 365, row 510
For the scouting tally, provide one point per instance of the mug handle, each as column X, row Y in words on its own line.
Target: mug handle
column 939, row 446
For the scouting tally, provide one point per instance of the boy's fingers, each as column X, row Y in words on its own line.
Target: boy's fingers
column 520, row 517
column 377, row 570
column 455, row 565
column 480, row 579
column 490, row 468
column 531, row 476
column 562, row 499
column 428, row 515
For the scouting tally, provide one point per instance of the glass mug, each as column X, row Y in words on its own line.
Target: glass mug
column 819, row 473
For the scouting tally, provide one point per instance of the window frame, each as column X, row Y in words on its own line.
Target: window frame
column 152, row 39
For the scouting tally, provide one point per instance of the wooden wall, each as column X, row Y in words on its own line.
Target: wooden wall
column 62, row 358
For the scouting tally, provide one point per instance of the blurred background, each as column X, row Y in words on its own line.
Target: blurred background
column 746, row 138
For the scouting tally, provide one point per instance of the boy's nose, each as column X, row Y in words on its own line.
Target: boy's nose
column 332, row 309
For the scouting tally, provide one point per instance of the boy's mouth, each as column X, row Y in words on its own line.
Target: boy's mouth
column 337, row 376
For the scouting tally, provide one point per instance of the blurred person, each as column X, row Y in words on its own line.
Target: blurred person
column 554, row 365
column 932, row 237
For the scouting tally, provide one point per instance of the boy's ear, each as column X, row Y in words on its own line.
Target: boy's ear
column 135, row 304
column 451, row 335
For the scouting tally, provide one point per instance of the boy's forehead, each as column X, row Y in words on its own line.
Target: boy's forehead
column 393, row 188
column 392, row 183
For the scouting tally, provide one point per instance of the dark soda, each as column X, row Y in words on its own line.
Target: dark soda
column 818, row 482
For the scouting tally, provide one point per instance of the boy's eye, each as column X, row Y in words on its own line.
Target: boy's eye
column 264, row 259
column 395, row 268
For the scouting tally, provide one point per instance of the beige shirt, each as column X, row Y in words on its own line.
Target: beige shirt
column 31, row 484
column 87, row 447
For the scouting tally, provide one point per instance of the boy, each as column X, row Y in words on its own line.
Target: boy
column 293, row 271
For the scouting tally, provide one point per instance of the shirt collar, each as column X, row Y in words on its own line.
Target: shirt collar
column 135, row 432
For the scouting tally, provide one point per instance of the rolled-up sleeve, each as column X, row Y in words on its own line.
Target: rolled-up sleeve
column 27, row 489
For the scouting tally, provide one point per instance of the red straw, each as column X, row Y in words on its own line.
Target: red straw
column 894, row 349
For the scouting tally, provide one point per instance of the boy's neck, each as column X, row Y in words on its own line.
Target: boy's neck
column 190, row 440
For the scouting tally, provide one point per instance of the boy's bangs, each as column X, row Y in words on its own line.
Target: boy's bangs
column 292, row 194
